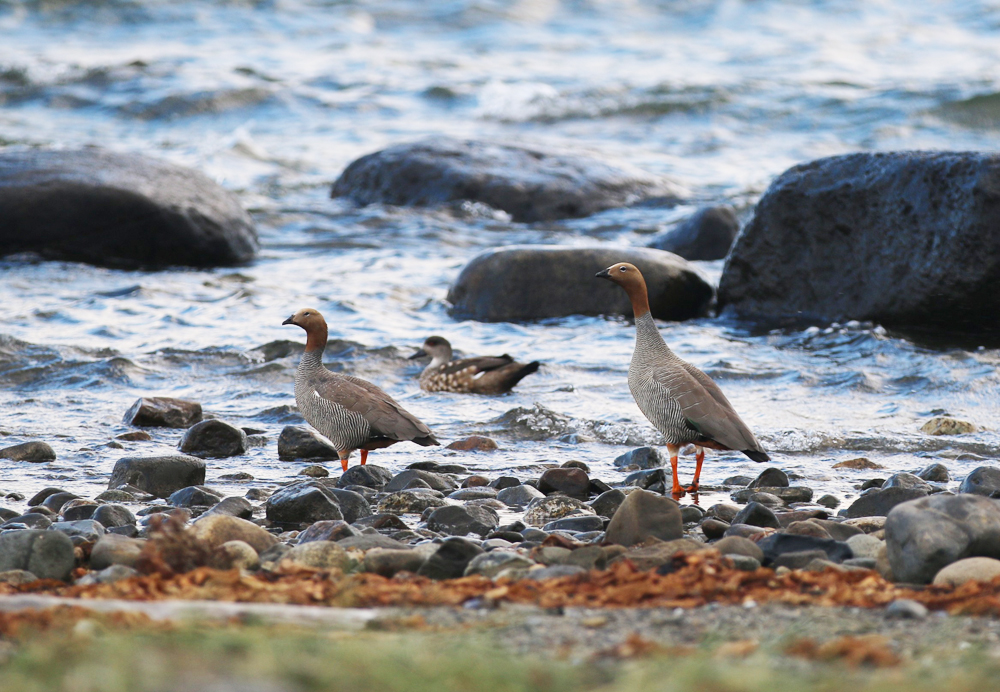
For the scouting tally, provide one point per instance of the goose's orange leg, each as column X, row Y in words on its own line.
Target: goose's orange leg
column 700, row 459
column 677, row 491
column 364, row 456
column 343, row 458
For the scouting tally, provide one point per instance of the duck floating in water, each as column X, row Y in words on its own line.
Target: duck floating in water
column 352, row 413
column 679, row 400
column 479, row 375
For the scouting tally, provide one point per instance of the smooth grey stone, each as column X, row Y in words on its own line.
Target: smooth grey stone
column 303, row 503
column 214, row 439
column 160, row 475
column 579, row 524
column 195, row 496
column 302, row 442
column 35, row 451
column 744, row 563
column 163, row 412
column 756, row 514
column 906, row 609
column 642, row 457
column 435, row 481
column 108, row 575
column 519, row 495
column 644, row 516
column 328, row 530
column 770, row 478
column 935, row 473
column 409, row 502
column 554, row 572
column 233, row 507
column 607, row 503
column 46, row 554
column 880, row 502
column 369, row 475
column 706, row 235
column 450, row 560
column 984, row 480
column 907, row 481
column 460, row 521
column 504, row 482
column 87, row 529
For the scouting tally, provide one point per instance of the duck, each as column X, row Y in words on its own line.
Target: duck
column 479, row 375
column 681, row 401
column 352, row 413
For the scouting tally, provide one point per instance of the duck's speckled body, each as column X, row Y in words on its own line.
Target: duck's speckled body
column 679, row 400
column 352, row 413
column 479, row 375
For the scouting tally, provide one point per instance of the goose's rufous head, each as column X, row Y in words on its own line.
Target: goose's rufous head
column 630, row 278
column 314, row 324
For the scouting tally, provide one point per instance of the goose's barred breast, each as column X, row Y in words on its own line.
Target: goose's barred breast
column 346, row 429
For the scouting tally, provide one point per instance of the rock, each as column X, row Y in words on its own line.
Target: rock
column 529, row 185
column 369, row 475
column 642, row 458
column 352, row 505
column 491, row 564
column 741, row 481
column 644, row 516
column 321, row 555
column 113, row 515
column 460, row 521
column 907, row 481
column 118, row 210
column 838, row 530
column 301, row 442
column 807, row 528
column 881, row 502
column 195, row 496
column 944, row 425
column 867, row 525
column 503, row 284
column 554, row 572
column 706, row 235
column 108, row 575
column 435, row 467
column 787, row 495
column 504, row 482
column 46, row 554
column 136, row 436
column 388, row 563
column 799, row 559
column 646, row 479
column 232, row 506
column 433, row 480
column 873, row 236
column 113, row 549
column 327, row 531
column 607, row 503
column 314, row 471
column 366, row 542
column 859, row 464
column 235, row 555
column 906, row 609
column 303, row 503
column 756, row 514
column 828, row 501
column 56, row 501
column 737, row 545
column 744, row 563
column 216, row 529
column 969, row 569
column 257, row 494
column 474, row 443
column 163, row 412
column 935, row 473
column 477, row 482
column 723, row 512
column 713, row 528
column 927, row 534
column 16, row 577
column 984, row 480
column 214, row 439
column 450, row 560
column 158, row 476
column 747, row 531
column 861, row 562
column 864, row 545
column 770, row 478
column 75, row 510
column 873, row 483
column 408, row 502
column 579, row 524
column 692, row 514
column 86, row 529
column 477, row 493
column 765, row 499
column 31, row 520
column 780, row 543
column 545, row 509
column 659, row 553
column 115, row 496
column 571, row 482
column 35, row 452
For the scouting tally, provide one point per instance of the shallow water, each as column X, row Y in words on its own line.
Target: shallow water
column 273, row 99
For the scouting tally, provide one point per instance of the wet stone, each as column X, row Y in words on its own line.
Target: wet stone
column 723, row 512
column 321, row 555
column 984, row 480
column 713, row 528
column 86, row 529
column 641, row 458
column 328, row 531
column 781, row 543
column 543, row 510
column 691, row 514
column 55, row 501
column 474, row 443
column 935, row 473
column 16, row 577
column 504, row 482
column 46, row 554
column 314, row 471
column 352, row 505
column 369, row 475
column 382, row 522
column 742, row 481
column 607, row 503
column 787, row 495
column 35, row 452
column 460, row 521
column 163, row 412
column 982, row 569
column 216, row 529
column 195, row 496
column 75, row 510
column 579, row 524
column 476, row 482
column 756, row 514
column 435, row 481
column 945, row 425
column 859, row 464
column 160, row 476
column 214, row 439
column 450, row 560
column 907, row 481
column 873, row 483
column 408, row 502
column 737, row 545
column 257, row 494
column 6, row 514
column 864, row 545
column 644, row 516
column 115, row 496
column 302, row 442
column 746, row 531
column 113, row 515
column 770, row 478
column 302, row 503
column 388, row 563
column 232, row 506
column 435, row 467
column 108, row 575
column 135, row 436
column 519, row 495
column 31, row 520
column 238, row 476
column 744, row 563
column 113, row 549
column 880, row 502
column 828, row 501
column 478, row 493
column 235, row 555
column 645, row 479
column 492, row 563
column 572, row 482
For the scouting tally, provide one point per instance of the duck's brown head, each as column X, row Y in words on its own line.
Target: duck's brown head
column 630, row 278
column 314, row 324
column 437, row 347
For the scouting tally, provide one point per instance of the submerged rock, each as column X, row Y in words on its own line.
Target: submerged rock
column 34, row 452
column 118, row 210
column 529, row 185
column 706, row 235
column 474, row 443
column 881, row 236
column 504, row 284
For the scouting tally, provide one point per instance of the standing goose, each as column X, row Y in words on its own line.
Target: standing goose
column 350, row 412
column 482, row 375
column 679, row 400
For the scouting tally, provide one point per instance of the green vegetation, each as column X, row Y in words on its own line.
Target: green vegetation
column 90, row 658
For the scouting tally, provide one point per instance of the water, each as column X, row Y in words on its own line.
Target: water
column 273, row 99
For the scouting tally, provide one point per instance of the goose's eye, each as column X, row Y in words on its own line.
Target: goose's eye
column 623, row 269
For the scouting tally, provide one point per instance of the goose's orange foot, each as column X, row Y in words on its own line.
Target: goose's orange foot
column 343, row 463
column 678, row 491
column 693, row 488
column 364, row 456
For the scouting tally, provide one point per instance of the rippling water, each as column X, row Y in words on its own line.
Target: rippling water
column 273, row 99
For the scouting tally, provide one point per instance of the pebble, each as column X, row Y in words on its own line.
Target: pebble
column 723, row 512
column 388, row 563
column 135, row 436
column 580, row 524
column 553, row 572
column 477, row 493
column 935, row 473
column 504, row 482
column 737, row 545
column 983, row 480
column 433, row 480
column 85, row 529
column 545, row 509
column 906, row 609
column 970, row 569
column 864, row 545
column 450, row 560
column 859, row 464
column 572, row 482
column 408, row 502
column 353, row 505
column 713, row 528
column 828, row 501
column 314, row 471
column 16, row 577
column 518, row 495
column 946, row 425
column 327, row 531
column 492, row 563
column 235, row 555
column 108, row 575
column 232, row 506
column 46, row 554
column 744, row 563
column 607, row 503
column 216, row 529
column 321, row 555
column 474, row 443
column 770, row 478
column 55, row 501
column 195, row 496
column 881, row 502
column 35, row 452
column 302, row 503
column 756, row 514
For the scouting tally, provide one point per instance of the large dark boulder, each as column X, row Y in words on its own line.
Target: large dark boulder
column 159, row 476
column 902, row 238
column 706, row 235
column 214, row 439
column 118, row 210
column 527, row 184
column 539, row 281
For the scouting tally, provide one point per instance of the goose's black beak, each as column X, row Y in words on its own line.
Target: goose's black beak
column 419, row 354
column 604, row 274
column 290, row 320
